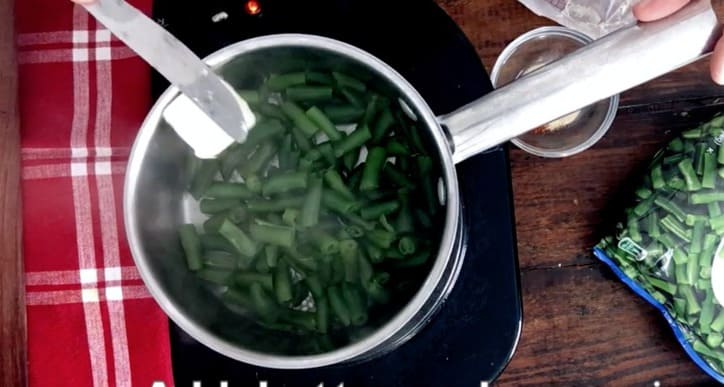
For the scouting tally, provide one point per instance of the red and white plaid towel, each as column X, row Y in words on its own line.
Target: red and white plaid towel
column 83, row 95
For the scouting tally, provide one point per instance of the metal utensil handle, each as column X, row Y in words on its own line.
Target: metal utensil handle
column 606, row 67
column 176, row 62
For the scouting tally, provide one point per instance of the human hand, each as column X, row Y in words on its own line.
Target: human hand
column 650, row 10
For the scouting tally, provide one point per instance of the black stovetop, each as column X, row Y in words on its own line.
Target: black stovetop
column 475, row 333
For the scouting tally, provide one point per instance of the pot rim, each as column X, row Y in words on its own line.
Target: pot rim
column 384, row 332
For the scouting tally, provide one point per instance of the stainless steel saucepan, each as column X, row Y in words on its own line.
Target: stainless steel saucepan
column 155, row 203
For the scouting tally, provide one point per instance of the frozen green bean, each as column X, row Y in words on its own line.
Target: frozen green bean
column 191, row 246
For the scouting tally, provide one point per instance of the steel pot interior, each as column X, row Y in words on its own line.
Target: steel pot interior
column 155, row 205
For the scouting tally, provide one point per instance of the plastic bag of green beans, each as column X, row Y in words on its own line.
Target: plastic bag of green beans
column 670, row 236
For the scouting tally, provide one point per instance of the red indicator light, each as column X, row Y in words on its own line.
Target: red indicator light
column 252, row 7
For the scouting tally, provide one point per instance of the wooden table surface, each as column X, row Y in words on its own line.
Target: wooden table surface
column 581, row 326
column 12, row 308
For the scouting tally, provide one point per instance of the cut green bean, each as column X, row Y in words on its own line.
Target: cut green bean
column 237, row 215
column 281, row 204
column 707, row 313
column 713, row 209
column 418, row 259
column 691, row 219
column 301, row 121
column 353, row 141
column 272, row 111
column 203, row 177
column 692, row 268
column 708, row 180
column 216, row 242
column 191, row 245
column 657, row 177
column 282, row 282
column 714, row 340
column 347, row 81
column 252, row 97
column 407, row 246
column 336, row 202
column 633, row 229
column 283, row 81
column 676, row 228
column 366, row 271
column 312, row 203
column 220, row 190
column 718, row 324
column 315, row 285
column 371, row 110
column 322, row 314
column 383, row 125
column 264, row 304
column 301, row 140
column 349, row 160
column 375, row 254
column 327, row 152
column 396, row 176
column 232, row 158
column 372, row 168
column 260, row 265
column 343, row 114
column 707, row 197
column 237, row 297
column 272, row 234
column 692, row 305
column 697, row 238
column 216, row 276
column 285, row 182
column 258, row 160
column 326, row 243
column 334, row 181
column 671, row 208
column 271, row 254
column 245, row 279
column 644, row 206
column 220, row 260
column 396, row 148
column 290, row 217
column 214, row 206
column 381, row 238
column 309, row 94
column 699, row 158
column 376, row 289
column 304, row 321
column 238, row 238
column 374, row 211
column 687, row 170
column 301, row 263
column 663, row 285
column 263, row 131
column 348, row 249
column 652, row 221
column 643, row 193
column 339, row 307
column 253, row 183
column 318, row 117
column 319, row 78
column 353, row 97
column 354, row 299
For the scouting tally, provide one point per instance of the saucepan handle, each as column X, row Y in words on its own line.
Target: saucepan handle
column 615, row 63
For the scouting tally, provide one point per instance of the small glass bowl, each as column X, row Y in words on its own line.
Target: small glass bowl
column 568, row 135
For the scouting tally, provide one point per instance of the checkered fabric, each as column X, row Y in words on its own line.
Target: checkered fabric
column 83, row 95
